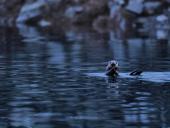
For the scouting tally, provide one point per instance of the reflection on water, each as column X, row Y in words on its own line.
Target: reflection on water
column 43, row 81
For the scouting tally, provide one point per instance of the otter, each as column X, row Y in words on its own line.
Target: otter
column 112, row 69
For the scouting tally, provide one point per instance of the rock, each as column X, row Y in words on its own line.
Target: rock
column 38, row 12
column 135, row 6
column 162, row 18
column 76, row 15
column 44, row 23
column 162, row 22
column 151, row 7
column 114, row 11
column 9, row 11
column 120, row 2
column 31, row 12
column 72, row 11
column 102, row 24
column 85, row 13
column 161, row 34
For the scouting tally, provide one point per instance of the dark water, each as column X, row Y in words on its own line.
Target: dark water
column 43, row 82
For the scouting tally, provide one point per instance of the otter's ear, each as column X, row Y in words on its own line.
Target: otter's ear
column 108, row 65
column 117, row 65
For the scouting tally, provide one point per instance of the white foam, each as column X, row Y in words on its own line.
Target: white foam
column 146, row 76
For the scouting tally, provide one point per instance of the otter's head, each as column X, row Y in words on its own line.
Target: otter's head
column 112, row 68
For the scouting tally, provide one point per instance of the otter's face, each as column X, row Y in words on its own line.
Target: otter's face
column 112, row 68
column 112, row 64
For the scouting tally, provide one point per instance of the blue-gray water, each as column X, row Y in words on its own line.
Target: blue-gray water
column 43, row 81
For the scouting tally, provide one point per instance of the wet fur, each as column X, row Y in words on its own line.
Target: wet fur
column 112, row 70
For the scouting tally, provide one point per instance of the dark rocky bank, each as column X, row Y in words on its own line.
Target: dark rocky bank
column 120, row 16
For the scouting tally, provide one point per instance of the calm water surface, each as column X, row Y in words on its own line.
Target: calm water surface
column 43, row 81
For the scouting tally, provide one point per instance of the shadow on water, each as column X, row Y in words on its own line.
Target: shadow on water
column 43, row 81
